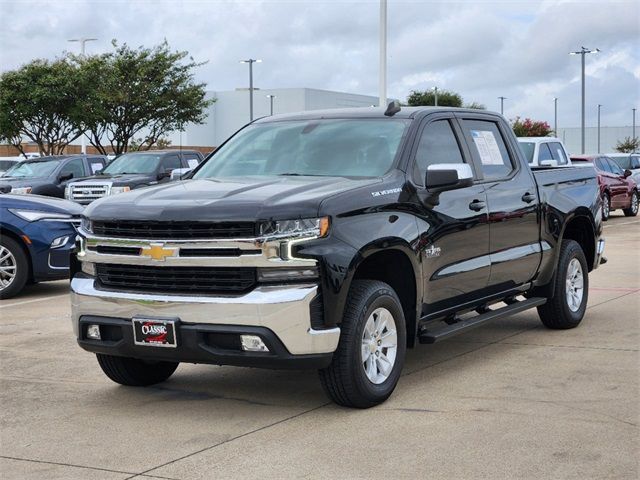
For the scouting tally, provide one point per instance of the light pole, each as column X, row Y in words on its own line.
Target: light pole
column 383, row 54
column 582, row 52
column 502, row 99
column 435, row 93
column 555, row 116
column 82, row 41
column 271, row 97
column 251, row 61
column 599, row 107
column 633, row 128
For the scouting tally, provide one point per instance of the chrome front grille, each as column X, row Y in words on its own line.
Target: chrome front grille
column 88, row 192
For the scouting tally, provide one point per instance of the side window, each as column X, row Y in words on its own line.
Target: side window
column 96, row 164
column 171, row 162
column 192, row 159
column 438, row 144
column 75, row 166
column 490, row 148
column 544, row 153
column 613, row 166
column 558, row 153
column 635, row 161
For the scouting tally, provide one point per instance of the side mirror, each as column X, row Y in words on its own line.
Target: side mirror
column 165, row 174
column 627, row 173
column 549, row 163
column 64, row 178
column 448, row 176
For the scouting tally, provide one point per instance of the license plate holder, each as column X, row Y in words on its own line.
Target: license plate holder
column 154, row 332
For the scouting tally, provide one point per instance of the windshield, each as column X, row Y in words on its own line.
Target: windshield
column 528, row 148
column 133, row 163
column 340, row 147
column 29, row 169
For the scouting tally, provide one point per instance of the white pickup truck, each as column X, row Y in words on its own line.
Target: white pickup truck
column 544, row 151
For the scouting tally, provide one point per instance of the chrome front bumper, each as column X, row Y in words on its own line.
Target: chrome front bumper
column 283, row 310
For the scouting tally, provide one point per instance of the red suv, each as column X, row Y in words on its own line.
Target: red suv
column 616, row 188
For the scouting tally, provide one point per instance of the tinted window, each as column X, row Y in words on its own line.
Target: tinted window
column 558, row 153
column 171, row 162
column 438, row 144
column 614, row 167
column 635, row 161
column 95, row 164
column 528, row 148
column 327, row 147
column 75, row 166
column 544, row 153
column 490, row 148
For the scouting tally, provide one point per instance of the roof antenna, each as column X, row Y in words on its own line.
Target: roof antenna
column 392, row 108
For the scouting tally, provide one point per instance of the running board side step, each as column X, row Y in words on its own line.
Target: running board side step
column 435, row 335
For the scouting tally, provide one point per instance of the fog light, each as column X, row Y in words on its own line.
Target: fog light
column 280, row 274
column 89, row 268
column 253, row 343
column 93, row 332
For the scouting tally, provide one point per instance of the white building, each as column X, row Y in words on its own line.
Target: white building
column 609, row 137
column 231, row 110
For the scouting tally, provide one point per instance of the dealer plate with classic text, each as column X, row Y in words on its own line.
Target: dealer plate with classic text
column 152, row 332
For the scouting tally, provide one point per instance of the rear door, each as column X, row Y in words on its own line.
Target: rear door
column 454, row 234
column 620, row 188
column 514, row 246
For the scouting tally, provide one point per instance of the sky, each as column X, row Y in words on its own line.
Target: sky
column 480, row 49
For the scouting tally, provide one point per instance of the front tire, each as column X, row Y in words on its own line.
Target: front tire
column 367, row 364
column 570, row 289
column 632, row 211
column 14, row 267
column 606, row 207
column 133, row 372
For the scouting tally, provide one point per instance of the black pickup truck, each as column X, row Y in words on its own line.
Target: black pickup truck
column 334, row 240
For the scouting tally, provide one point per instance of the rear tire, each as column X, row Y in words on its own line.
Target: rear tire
column 367, row 364
column 14, row 267
column 570, row 289
column 632, row 211
column 606, row 207
column 134, row 372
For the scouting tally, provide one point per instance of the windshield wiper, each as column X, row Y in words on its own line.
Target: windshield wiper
column 293, row 174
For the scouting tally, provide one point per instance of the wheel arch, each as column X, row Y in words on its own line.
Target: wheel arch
column 396, row 266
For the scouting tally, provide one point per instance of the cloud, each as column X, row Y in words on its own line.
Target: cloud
column 481, row 49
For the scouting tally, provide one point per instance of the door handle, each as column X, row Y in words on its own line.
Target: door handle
column 528, row 197
column 477, row 205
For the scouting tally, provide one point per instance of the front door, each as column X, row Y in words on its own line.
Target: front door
column 454, row 234
column 512, row 197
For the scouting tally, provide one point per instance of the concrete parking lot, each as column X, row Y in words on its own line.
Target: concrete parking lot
column 509, row 400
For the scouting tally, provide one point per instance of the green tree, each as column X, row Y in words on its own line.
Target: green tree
column 530, row 128
column 628, row 145
column 38, row 101
column 476, row 106
column 143, row 92
column 446, row 98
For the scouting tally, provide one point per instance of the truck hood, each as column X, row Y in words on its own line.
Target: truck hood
column 122, row 179
column 18, row 182
column 240, row 199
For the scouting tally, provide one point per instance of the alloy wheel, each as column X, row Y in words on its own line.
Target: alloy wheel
column 574, row 285
column 8, row 266
column 379, row 345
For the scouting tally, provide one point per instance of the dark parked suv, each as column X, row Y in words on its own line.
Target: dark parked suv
column 132, row 170
column 49, row 175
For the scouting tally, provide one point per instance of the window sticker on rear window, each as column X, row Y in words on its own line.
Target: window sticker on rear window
column 96, row 166
column 487, row 147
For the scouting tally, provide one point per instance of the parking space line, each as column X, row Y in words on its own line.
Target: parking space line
column 2, row 305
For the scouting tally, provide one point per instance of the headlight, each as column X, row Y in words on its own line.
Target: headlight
column 21, row 190
column 34, row 215
column 115, row 190
column 306, row 227
column 86, row 225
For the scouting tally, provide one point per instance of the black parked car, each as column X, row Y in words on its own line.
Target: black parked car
column 49, row 175
column 132, row 170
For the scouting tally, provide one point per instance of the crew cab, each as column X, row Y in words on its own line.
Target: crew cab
column 334, row 240
column 544, row 151
column 130, row 171
column 49, row 175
